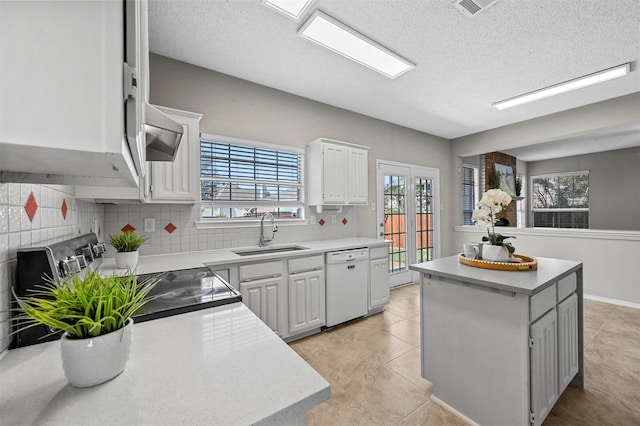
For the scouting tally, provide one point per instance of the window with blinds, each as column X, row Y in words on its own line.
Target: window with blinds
column 469, row 177
column 239, row 180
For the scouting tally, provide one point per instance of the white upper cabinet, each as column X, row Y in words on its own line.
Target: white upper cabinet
column 66, row 89
column 337, row 173
column 179, row 181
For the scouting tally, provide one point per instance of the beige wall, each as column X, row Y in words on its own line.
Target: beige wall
column 238, row 108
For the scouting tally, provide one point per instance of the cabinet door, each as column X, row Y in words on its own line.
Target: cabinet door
column 178, row 180
column 567, row 341
column 262, row 298
column 544, row 366
column 334, row 176
column 306, row 301
column 378, row 283
column 357, row 170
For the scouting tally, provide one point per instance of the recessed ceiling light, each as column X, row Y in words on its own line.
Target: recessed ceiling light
column 290, row 8
column 567, row 86
column 334, row 35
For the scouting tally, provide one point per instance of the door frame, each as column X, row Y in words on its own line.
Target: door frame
column 432, row 173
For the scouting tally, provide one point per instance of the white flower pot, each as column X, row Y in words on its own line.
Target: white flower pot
column 88, row 362
column 495, row 253
column 127, row 259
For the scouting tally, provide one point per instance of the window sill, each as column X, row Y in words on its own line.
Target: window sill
column 560, row 232
column 245, row 223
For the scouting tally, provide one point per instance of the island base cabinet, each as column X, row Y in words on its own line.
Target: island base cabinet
column 568, row 341
column 474, row 350
column 544, row 367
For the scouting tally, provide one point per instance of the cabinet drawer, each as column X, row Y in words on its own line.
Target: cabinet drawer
column 311, row 263
column 257, row 271
column 542, row 302
column 566, row 286
column 379, row 252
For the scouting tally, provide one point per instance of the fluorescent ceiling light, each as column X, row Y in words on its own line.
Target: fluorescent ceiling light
column 336, row 36
column 567, row 86
column 290, row 8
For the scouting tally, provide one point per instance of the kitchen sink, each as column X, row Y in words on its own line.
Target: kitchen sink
column 268, row 250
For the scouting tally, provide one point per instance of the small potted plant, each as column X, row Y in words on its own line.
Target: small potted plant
column 127, row 245
column 518, row 188
column 94, row 312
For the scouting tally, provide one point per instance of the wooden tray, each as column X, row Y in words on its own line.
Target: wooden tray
column 527, row 263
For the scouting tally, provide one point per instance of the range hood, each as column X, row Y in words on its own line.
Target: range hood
column 163, row 135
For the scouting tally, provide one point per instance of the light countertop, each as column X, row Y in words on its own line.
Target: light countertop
column 219, row 366
column 525, row 282
column 196, row 259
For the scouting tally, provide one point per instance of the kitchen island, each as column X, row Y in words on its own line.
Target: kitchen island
column 218, row 366
column 500, row 347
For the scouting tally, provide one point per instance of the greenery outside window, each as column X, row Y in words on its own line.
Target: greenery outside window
column 242, row 180
column 560, row 200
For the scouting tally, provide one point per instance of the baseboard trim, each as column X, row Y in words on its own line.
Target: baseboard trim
column 453, row 411
column 612, row 301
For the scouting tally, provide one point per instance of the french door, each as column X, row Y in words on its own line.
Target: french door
column 407, row 215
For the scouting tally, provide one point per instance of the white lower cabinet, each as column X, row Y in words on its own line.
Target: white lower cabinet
column 263, row 290
column 306, row 294
column 378, row 283
column 544, row 361
column 306, row 301
column 262, row 297
column 568, row 349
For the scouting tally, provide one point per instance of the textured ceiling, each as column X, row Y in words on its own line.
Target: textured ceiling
column 463, row 64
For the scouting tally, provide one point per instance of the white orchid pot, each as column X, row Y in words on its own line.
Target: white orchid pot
column 127, row 259
column 89, row 362
column 492, row 253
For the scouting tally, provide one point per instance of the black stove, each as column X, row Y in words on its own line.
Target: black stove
column 177, row 292
column 186, row 290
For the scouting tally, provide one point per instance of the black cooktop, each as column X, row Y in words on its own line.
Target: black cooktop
column 184, row 291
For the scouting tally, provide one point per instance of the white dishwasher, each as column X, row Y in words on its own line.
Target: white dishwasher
column 347, row 276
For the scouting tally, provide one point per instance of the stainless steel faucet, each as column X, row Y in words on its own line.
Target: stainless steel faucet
column 264, row 240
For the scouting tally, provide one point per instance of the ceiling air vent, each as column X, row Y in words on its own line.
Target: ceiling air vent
column 472, row 7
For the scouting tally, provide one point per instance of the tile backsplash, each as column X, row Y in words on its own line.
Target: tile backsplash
column 175, row 229
column 36, row 216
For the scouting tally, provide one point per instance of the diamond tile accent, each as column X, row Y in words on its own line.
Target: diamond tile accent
column 128, row 228
column 321, row 222
column 31, row 206
column 344, row 221
column 63, row 208
column 170, row 227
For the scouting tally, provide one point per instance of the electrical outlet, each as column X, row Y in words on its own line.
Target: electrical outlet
column 149, row 224
column 312, row 219
column 333, row 218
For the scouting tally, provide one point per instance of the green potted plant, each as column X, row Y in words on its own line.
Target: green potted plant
column 127, row 245
column 518, row 187
column 95, row 314
column 494, row 178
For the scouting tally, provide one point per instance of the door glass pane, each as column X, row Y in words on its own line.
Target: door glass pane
column 424, row 219
column 395, row 228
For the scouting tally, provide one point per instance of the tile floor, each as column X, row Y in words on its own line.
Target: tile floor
column 373, row 365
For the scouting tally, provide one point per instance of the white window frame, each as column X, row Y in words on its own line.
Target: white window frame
column 476, row 185
column 241, row 222
column 555, row 209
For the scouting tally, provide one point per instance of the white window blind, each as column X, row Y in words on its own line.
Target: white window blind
column 241, row 180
